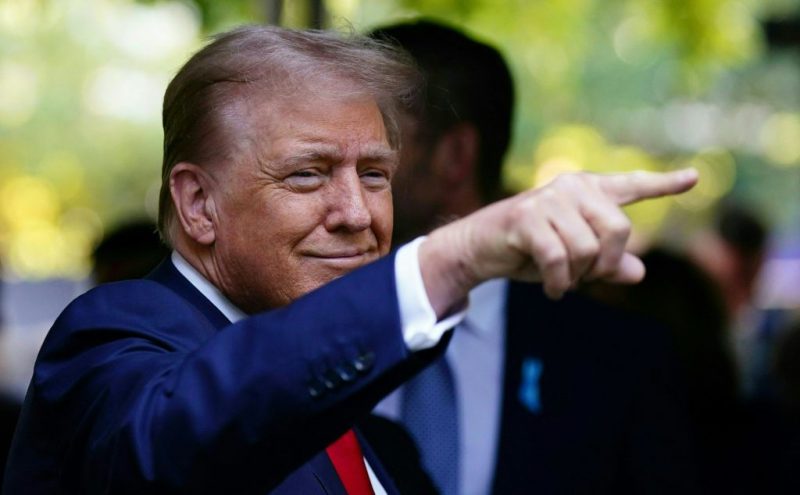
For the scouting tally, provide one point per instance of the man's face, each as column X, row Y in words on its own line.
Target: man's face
column 308, row 202
column 417, row 192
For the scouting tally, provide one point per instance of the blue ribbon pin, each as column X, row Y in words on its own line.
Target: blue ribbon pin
column 529, row 388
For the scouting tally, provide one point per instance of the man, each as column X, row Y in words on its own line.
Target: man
column 733, row 252
column 561, row 397
column 130, row 250
column 242, row 362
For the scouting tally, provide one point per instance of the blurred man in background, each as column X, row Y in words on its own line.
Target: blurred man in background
column 732, row 251
column 548, row 397
column 130, row 250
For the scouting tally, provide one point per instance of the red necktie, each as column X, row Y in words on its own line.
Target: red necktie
column 346, row 457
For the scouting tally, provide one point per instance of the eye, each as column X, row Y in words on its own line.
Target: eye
column 375, row 178
column 305, row 180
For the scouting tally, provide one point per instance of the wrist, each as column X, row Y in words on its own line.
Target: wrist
column 446, row 270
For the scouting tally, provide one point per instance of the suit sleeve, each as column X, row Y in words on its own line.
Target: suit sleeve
column 149, row 410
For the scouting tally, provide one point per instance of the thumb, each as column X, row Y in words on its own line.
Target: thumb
column 629, row 271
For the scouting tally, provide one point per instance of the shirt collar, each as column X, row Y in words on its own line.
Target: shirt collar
column 482, row 318
column 206, row 288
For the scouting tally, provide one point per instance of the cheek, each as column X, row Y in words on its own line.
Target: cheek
column 382, row 219
column 285, row 219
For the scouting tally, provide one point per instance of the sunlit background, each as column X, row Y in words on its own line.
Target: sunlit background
column 602, row 85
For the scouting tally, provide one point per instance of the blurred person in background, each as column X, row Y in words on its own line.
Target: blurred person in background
column 130, row 250
column 774, row 442
column 542, row 397
column 680, row 295
column 732, row 252
column 244, row 362
column 765, row 349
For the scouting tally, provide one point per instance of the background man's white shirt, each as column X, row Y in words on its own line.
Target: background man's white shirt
column 475, row 355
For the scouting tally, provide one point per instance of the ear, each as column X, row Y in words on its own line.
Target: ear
column 455, row 157
column 190, row 188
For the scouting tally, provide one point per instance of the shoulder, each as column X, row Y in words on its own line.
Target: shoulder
column 125, row 310
column 124, row 294
column 131, row 302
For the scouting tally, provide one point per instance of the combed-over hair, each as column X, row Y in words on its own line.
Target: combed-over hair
column 275, row 62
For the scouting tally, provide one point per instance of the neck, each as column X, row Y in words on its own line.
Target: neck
column 200, row 258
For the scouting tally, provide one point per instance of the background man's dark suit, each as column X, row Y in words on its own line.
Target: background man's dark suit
column 610, row 416
column 192, row 371
column 588, row 403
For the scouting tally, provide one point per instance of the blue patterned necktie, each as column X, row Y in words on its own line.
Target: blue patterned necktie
column 430, row 413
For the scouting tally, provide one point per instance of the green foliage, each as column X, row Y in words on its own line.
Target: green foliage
column 218, row 15
column 601, row 85
column 674, row 80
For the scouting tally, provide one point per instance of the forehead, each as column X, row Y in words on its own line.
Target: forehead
column 325, row 117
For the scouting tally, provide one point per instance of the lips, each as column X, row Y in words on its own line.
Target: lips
column 328, row 256
column 341, row 253
column 347, row 259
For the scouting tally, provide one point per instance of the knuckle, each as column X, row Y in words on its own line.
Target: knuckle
column 553, row 257
column 588, row 250
column 569, row 181
column 521, row 210
column 576, row 184
column 619, row 226
column 546, row 195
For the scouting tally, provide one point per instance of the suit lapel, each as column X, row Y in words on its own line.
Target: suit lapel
column 325, row 474
column 320, row 465
column 376, row 465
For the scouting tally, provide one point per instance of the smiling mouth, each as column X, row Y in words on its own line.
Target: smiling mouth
column 345, row 259
column 339, row 256
column 343, row 254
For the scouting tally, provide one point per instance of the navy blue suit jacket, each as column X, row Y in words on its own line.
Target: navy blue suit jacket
column 609, row 415
column 144, row 387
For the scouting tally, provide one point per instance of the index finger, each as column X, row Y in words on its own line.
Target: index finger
column 628, row 188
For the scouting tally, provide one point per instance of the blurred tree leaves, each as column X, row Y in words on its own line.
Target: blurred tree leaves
column 216, row 15
column 601, row 85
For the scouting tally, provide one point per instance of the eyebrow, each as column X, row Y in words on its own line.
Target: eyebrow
column 311, row 151
column 379, row 153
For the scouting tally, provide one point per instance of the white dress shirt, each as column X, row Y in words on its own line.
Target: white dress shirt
column 418, row 321
column 475, row 355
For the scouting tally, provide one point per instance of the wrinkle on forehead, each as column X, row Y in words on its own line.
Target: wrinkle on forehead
column 311, row 148
column 257, row 123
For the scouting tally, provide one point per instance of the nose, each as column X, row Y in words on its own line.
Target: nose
column 347, row 203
